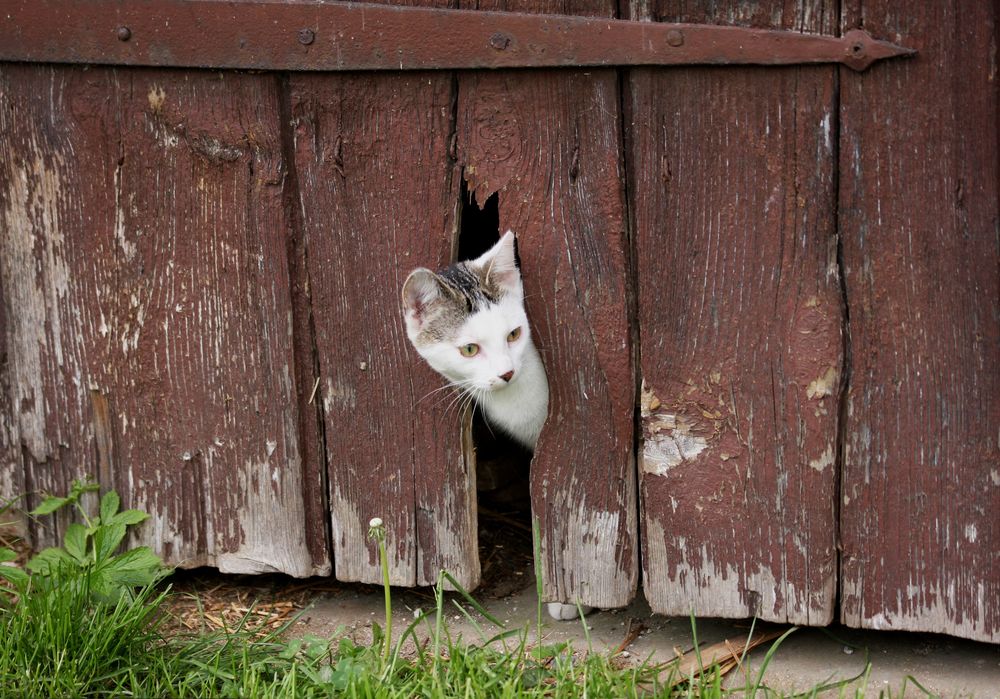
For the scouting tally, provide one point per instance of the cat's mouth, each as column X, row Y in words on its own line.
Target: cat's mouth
column 499, row 385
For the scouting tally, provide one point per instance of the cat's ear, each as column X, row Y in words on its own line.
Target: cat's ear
column 501, row 265
column 420, row 291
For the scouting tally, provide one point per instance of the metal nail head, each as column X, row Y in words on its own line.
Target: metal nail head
column 124, row 33
column 500, row 41
column 306, row 36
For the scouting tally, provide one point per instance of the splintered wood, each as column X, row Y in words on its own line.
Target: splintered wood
column 227, row 606
column 722, row 657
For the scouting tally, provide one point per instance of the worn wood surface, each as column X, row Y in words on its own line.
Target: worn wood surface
column 11, row 470
column 549, row 142
column 48, row 196
column 739, row 310
column 374, row 176
column 920, row 510
column 149, row 319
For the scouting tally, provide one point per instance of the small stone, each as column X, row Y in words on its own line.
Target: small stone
column 848, row 650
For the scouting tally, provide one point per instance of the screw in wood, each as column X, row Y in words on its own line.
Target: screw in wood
column 675, row 37
column 124, row 33
column 306, row 36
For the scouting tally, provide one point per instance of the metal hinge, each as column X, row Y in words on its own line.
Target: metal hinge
column 269, row 35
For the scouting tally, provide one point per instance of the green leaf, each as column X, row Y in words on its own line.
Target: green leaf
column 138, row 566
column 48, row 561
column 549, row 651
column 109, row 505
column 140, row 558
column 129, row 517
column 107, row 538
column 7, row 554
column 291, row 649
column 347, row 671
column 49, row 505
column 75, row 542
column 15, row 575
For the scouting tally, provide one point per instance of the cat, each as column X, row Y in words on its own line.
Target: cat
column 469, row 324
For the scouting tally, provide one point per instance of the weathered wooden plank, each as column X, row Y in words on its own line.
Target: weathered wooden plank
column 376, row 195
column 144, row 241
column 919, row 173
column 733, row 191
column 550, row 144
column 11, row 471
column 50, row 189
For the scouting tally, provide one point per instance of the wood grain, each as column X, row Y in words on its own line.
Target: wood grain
column 50, row 202
column 376, row 196
column 549, row 142
column 733, row 190
column 11, row 470
column 145, row 272
column 919, row 173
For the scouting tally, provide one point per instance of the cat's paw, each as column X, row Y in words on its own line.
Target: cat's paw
column 562, row 612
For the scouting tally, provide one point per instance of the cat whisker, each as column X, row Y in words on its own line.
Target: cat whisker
column 461, row 399
column 439, row 389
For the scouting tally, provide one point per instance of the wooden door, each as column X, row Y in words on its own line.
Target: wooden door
column 785, row 277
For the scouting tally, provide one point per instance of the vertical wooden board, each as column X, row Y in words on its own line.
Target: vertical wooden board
column 11, row 468
column 732, row 188
column 550, row 143
column 919, row 168
column 203, row 157
column 52, row 188
column 166, row 255
column 375, row 182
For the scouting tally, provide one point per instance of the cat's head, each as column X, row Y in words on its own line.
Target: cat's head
column 468, row 321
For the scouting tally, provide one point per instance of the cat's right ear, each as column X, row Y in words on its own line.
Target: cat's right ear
column 420, row 290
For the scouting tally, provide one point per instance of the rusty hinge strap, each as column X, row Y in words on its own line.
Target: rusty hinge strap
column 269, row 35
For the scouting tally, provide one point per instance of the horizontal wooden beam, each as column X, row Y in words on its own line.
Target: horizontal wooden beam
column 305, row 36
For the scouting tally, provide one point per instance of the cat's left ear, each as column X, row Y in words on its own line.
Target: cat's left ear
column 501, row 264
column 421, row 290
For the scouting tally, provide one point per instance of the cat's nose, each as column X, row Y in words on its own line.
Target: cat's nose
column 508, row 376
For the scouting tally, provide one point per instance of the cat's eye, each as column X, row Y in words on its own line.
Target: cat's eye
column 514, row 334
column 469, row 350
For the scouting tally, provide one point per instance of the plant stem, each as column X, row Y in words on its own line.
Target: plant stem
column 384, row 561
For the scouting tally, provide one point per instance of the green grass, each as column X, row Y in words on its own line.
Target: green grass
column 60, row 642
column 80, row 627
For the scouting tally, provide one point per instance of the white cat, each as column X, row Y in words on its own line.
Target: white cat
column 468, row 322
